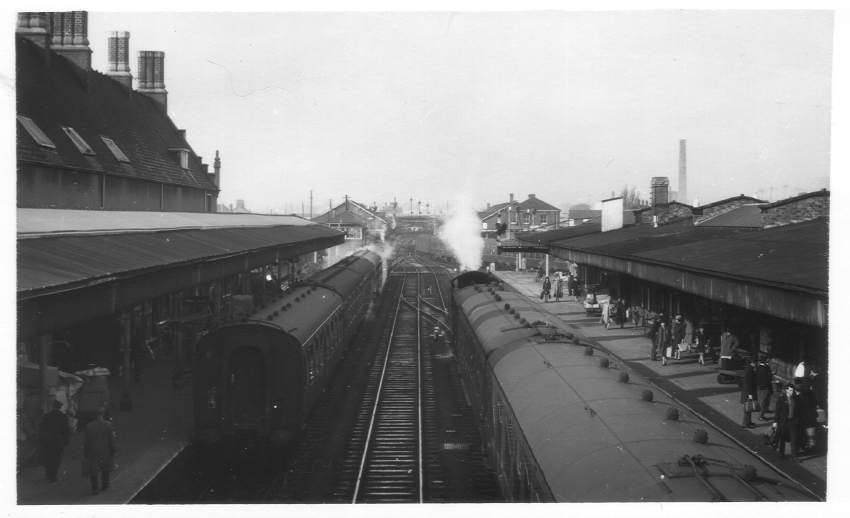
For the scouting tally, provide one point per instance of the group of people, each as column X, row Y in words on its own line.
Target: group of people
column 98, row 446
column 563, row 284
column 670, row 338
column 795, row 416
column 619, row 312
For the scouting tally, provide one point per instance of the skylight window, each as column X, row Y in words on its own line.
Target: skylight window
column 78, row 141
column 116, row 151
column 35, row 132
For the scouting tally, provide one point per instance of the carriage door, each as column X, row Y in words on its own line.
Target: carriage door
column 247, row 384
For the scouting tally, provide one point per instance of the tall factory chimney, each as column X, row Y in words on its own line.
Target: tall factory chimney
column 119, row 58
column 683, row 172
column 152, row 77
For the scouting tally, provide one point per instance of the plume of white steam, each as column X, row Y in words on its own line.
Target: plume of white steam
column 461, row 233
column 385, row 250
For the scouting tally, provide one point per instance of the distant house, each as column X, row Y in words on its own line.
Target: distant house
column 531, row 214
column 357, row 221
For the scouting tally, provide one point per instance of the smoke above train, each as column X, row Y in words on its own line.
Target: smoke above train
column 461, row 234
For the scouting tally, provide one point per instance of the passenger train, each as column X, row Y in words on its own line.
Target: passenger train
column 259, row 378
column 563, row 422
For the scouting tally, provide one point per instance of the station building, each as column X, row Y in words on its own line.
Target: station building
column 122, row 261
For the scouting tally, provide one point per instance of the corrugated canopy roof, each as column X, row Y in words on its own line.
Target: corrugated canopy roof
column 55, row 221
column 792, row 255
column 49, row 260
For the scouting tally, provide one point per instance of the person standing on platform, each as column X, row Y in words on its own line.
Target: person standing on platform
column 808, row 416
column 54, row 434
column 547, row 288
column 621, row 312
column 559, row 288
column 701, row 341
column 653, row 335
column 99, row 451
column 677, row 335
column 663, row 335
column 787, row 420
column 764, row 385
column 749, row 395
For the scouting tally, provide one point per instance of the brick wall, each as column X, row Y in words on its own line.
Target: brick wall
column 796, row 211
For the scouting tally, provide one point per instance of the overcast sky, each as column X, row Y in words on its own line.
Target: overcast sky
column 566, row 105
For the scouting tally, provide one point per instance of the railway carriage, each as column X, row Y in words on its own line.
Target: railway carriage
column 259, row 378
column 562, row 424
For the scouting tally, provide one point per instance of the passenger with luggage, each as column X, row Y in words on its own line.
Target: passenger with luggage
column 749, row 396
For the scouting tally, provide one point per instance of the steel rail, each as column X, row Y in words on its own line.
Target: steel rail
column 378, row 397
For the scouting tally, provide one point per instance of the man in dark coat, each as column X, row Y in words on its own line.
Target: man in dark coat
column 764, row 385
column 99, row 450
column 664, row 340
column 749, row 395
column 788, row 420
column 54, row 434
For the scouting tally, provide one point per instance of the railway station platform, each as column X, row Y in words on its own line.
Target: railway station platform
column 693, row 385
column 148, row 437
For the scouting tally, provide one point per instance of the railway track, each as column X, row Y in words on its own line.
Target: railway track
column 404, row 433
column 390, row 465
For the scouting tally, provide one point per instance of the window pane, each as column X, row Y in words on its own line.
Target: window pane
column 35, row 132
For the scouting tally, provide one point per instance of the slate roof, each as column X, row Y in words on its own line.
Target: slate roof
column 743, row 216
column 355, row 214
column 54, row 92
column 793, row 256
column 558, row 234
column 484, row 214
column 536, row 204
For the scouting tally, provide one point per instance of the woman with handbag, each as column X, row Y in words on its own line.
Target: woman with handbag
column 749, row 395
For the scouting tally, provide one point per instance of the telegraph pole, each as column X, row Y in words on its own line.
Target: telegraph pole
column 311, row 203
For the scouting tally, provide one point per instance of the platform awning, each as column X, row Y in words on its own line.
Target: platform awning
column 71, row 272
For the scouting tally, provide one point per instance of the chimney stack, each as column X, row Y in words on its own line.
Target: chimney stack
column 512, row 198
column 69, row 36
column 659, row 191
column 34, row 27
column 152, row 77
column 531, row 196
column 119, row 58
column 683, row 171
